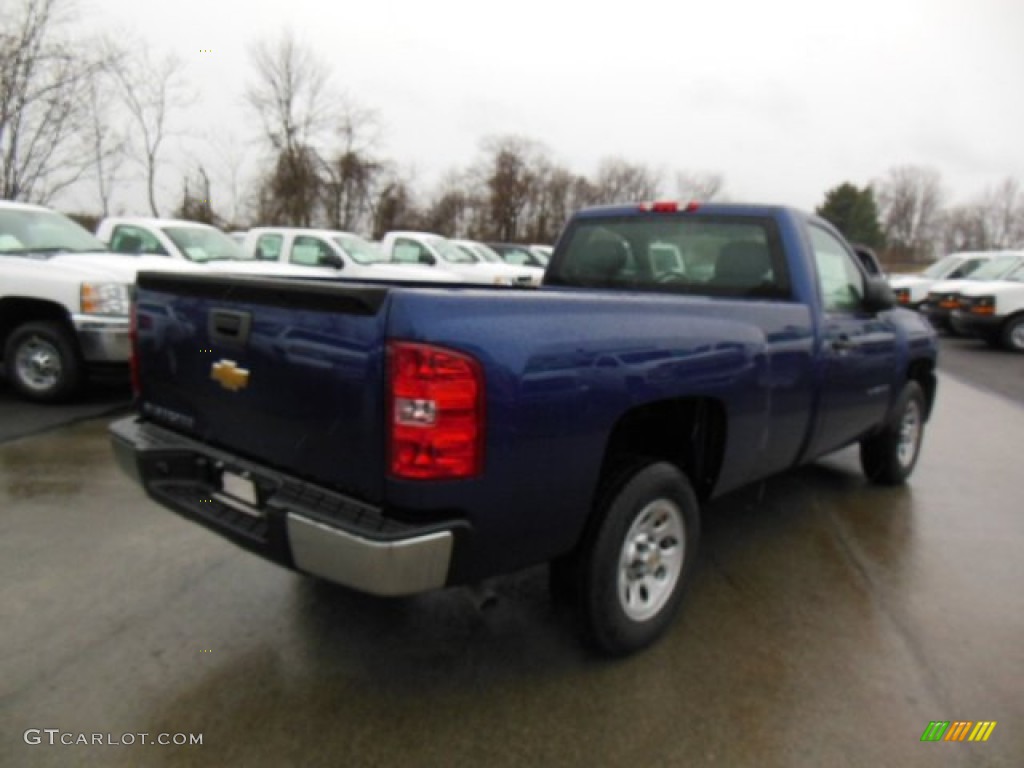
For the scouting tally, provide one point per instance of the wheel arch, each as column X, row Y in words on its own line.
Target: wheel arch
column 1003, row 326
column 688, row 432
column 922, row 371
column 17, row 310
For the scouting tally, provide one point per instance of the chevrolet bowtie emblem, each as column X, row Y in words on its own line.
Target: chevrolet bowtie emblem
column 229, row 375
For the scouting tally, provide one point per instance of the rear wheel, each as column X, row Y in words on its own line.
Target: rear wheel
column 42, row 361
column 637, row 559
column 889, row 457
column 1012, row 336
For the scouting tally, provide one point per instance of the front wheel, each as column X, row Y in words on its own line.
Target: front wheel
column 1012, row 336
column 889, row 457
column 42, row 361
column 638, row 558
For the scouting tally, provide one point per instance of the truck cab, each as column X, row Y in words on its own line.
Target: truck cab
column 439, row 253
column 189, row 241
column 332, row 253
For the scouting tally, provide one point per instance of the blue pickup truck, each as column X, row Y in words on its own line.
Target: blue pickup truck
column 400, row 438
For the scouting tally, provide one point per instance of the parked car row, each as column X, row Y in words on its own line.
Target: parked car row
column 65, row 293
column 977, row 294
column 407, row 256
column 469, row 264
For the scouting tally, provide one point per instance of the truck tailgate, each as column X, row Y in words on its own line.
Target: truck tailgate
column 288, row 373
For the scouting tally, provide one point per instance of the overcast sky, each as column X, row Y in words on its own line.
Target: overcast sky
column 784, row 98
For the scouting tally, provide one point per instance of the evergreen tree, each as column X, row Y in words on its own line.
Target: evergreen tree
column 853, row 212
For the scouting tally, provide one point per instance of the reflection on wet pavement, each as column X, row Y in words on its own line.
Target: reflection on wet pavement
column 828, row 623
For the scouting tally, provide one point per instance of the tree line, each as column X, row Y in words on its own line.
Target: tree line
column 77, row 113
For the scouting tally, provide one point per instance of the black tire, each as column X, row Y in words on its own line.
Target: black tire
column 1012, row 336
column 649, row 510
column 889, row 457
column 42, row 362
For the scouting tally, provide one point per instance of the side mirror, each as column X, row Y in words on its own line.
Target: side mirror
column 331, row 260
column 427, row 258
column 878, row 295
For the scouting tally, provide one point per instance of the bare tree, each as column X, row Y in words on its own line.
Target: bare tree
column 290, row 191
column 995, row 220
column 229, row 166
column 1003, row 211
column 196, row 198
column 149, row 89
column 557, row 194
column 910, row 206
column 457, row 208
column 964, row 229
column 291, row 94
column 291, row 97
column 395, row 206
column 107, row 145
column 619, row 181
column 43, row 100
column 507, row 170
column 353, row 171
column 705, row 187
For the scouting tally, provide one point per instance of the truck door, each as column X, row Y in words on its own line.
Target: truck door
column 858, row 348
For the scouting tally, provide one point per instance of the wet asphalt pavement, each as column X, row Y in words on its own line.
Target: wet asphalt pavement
column 828, row 623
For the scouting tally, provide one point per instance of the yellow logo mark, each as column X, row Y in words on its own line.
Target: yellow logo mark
column 982, row 731
column 229, row 375
column 941, row 730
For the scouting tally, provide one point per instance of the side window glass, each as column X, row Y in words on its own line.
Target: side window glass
column 969, row 266
column 135, row 241
column 268, row 247
column 518, row 258
column 840, row 281
column 407, row 251
column 306, row 251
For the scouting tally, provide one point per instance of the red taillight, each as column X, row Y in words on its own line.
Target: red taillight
column 436, row 412
column 667, row 206
column 133, row 356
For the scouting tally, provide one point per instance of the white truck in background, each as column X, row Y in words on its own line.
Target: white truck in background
column 912, row 289
column 993, row 310
column 438, row 252
column 64, row 303
column 332, row 253
column 187, row 241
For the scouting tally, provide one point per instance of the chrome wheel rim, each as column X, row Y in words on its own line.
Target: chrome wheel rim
column 651, row 560
column 38, row 364
column 1017, row 337
column 910, row 434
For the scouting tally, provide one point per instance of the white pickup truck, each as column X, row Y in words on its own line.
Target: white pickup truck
column 332, row 253
column 911, row 290
column 64, row 302
column 443, row 255
column 187, row 241
column 994, row 311
column 944, row 296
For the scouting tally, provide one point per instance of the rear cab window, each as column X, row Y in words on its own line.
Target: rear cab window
column 738, row 256
column 135, row 241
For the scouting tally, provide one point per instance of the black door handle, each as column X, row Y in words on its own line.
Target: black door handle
column 228, row 327
column 842, row 344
